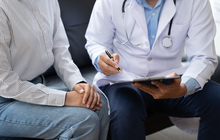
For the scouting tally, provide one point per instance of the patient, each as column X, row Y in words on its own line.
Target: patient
column 32, row 39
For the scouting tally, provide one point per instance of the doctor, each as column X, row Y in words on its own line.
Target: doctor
column 148, row 38
column 32, row 39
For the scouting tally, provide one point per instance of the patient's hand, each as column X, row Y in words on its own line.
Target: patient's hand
column 74, row 98
column 84, row 95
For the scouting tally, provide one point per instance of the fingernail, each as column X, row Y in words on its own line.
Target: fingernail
column 84, row 102
column 81, row 90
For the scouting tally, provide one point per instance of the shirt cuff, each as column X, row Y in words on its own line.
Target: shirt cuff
column 191, row 84
column 73, row 80
column 96, row 64
column 56, row 97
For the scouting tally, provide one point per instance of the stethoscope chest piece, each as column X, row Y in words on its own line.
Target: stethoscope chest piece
column 167, row 42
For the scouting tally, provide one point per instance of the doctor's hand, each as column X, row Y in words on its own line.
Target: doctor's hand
column 107, row 66
column 83, row 95
column 174, row 89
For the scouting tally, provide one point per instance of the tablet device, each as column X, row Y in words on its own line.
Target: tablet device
column 163, row 79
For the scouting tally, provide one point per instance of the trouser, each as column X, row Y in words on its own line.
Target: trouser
column 20, row 119
column 128, row 107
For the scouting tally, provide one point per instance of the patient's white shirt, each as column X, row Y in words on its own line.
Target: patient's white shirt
column 32, row 39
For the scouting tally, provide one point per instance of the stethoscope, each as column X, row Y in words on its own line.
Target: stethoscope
column 166, row 41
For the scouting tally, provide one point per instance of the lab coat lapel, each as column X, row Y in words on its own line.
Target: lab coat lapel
column 139, row 15
column 167, row 14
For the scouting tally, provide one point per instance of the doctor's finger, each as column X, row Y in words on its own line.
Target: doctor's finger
column 176, row 80
column 108, row 70
column 153, row 91
column 145, row 87
column 158, row 84
column 105, row 59
column 111, row 62
column 107, row 64
column 115, row 57
column 104, row 63
column 172, row 74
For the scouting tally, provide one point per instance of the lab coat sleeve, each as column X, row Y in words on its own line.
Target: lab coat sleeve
column 200, row 43
column 100, row 31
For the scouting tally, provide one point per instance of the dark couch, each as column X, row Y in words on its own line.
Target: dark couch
column 75, row 15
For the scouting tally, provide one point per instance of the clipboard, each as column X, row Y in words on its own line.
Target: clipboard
column 163, row 79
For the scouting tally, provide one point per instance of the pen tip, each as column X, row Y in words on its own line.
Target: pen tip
column 120, row 71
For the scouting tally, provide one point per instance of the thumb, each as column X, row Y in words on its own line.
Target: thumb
column 176, row 80
column 78, row 88
column 172, row 74
column 116, row 57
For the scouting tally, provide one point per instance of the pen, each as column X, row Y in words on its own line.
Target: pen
column 110, row 56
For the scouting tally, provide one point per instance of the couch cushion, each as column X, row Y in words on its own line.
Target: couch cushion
column 75, row 15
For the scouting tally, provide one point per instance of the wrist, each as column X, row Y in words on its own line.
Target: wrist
column 183, row 89
column 66, row 98
column 81, row 82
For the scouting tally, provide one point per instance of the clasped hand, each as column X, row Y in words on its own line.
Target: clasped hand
column 83, row 95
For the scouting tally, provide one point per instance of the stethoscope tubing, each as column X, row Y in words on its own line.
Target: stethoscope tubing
column 171, row 22
column 128, row 37
column 125, row 27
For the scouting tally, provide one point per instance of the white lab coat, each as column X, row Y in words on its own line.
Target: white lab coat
column 216, row 10
column 193, row 27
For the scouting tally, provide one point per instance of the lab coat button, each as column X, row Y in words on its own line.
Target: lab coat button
column 150, row 58
column 56, row 102
column 146, row 43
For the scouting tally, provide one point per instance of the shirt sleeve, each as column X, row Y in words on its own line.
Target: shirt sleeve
column 11, row 85
column 63, row 64
column 96, row 64
column 191, row 84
